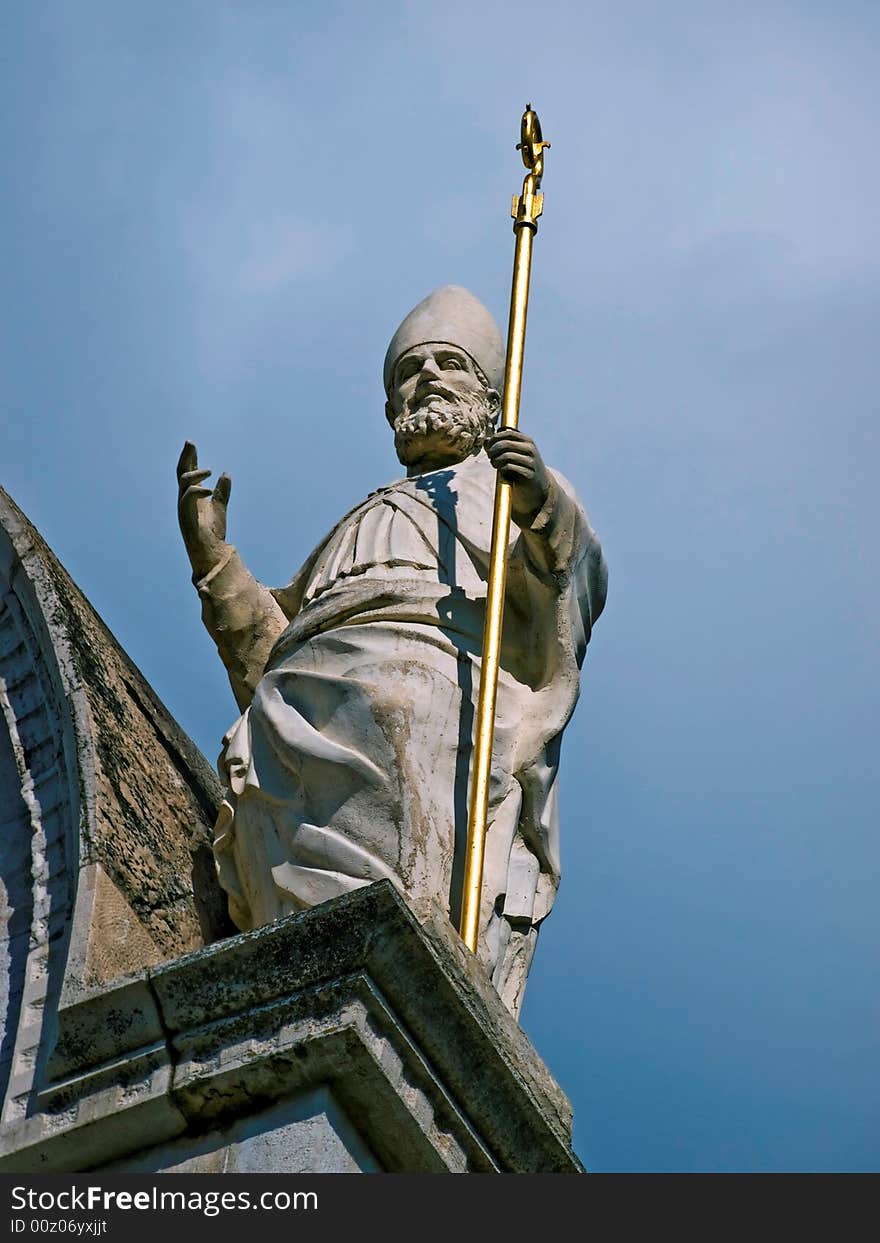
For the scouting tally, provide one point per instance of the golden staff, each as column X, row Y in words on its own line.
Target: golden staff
column 525, row 211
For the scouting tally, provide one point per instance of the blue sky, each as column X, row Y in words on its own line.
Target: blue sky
column 215, row 216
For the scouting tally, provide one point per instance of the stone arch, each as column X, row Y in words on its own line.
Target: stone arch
column 106, row 810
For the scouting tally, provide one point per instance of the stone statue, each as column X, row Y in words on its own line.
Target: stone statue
column 357, row 681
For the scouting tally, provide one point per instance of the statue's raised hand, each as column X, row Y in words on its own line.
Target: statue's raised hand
column 201, row 512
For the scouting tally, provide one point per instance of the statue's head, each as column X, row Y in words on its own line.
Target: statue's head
column 443, row 374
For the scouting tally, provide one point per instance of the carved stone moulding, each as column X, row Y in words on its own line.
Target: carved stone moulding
column 359, row 1035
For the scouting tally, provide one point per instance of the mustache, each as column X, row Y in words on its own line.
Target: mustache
column 436, row 388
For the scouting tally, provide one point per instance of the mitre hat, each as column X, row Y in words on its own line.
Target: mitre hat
column 454, row 316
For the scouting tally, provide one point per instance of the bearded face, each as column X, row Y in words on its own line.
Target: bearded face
column 440, row 406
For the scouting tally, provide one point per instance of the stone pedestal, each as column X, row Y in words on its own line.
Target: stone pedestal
column 357, row 1036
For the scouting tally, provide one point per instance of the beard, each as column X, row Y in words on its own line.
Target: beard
column 443, row 420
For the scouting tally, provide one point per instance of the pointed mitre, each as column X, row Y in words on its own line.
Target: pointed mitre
column 452, row 315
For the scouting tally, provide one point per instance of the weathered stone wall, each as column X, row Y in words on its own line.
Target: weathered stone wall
column 106, row 809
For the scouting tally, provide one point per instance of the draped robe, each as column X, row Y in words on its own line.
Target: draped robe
column 358, row 682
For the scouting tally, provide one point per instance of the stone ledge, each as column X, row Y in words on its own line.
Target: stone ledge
column 392, row 1014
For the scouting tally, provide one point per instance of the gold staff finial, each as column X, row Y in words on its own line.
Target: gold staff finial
column 525, row 209
column 531, row 144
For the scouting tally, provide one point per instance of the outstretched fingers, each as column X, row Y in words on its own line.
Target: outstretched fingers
column 192, row 476
column 188, row 459
column 201, row 512
column 193, row 493
column 222, row 490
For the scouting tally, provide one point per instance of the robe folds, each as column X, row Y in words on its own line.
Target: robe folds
column 358, row 684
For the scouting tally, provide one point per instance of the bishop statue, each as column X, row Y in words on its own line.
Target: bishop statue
column 356, row 681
